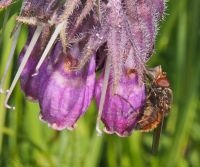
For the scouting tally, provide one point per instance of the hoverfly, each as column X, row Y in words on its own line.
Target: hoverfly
column 158, row 103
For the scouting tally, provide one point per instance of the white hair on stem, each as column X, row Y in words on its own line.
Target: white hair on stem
column 13, row 46
column 10, row 57
column 7, row 64
column 48, row 47
column 22, row 65
column 103, row 94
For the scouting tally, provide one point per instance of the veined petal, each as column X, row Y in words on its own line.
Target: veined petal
column 121, row 110
column 65, row 94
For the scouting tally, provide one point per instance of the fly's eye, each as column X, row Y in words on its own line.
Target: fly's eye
column 162, row 82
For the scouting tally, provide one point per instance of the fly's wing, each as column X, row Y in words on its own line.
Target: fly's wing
column 156, row 136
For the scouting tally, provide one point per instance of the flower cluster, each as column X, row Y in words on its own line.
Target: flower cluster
column 70, row 42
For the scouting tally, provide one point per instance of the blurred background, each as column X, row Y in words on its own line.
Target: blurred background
column 26, row 141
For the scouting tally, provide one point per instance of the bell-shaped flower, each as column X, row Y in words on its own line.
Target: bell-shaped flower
column 122, row 104
column 65, row 94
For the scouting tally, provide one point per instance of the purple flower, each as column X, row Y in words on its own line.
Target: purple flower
column 30, row 84
column 70, row 39
column 64, row 95
column 123, row 105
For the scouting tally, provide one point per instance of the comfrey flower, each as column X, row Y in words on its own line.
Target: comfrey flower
column 72, row 40
column 121, row 108
column 64, row 95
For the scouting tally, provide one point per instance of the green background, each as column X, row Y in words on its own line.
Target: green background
column 26, row 141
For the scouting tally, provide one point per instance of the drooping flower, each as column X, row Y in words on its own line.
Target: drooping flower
column 30, row 84
column 58, row 63
column 122, row 107
column 64, row 95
